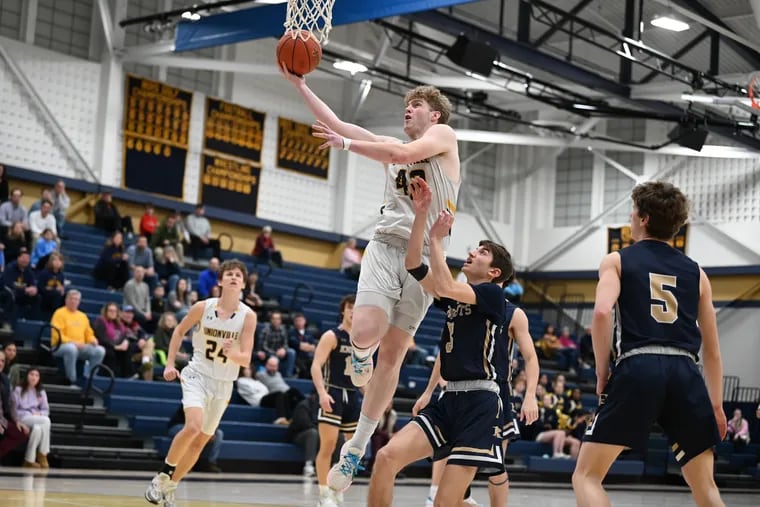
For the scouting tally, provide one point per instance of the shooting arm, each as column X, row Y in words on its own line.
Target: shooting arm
column 437, row 140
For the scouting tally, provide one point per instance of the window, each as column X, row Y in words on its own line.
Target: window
column 10, row 18
column 572, row 187
column 64, row 26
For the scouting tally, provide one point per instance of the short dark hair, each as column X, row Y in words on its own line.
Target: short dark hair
column 231, row 264
column 501, row 258
column 347, row 300
column 665, row 205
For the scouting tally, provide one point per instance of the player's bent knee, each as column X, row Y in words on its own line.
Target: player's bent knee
column 388, row 459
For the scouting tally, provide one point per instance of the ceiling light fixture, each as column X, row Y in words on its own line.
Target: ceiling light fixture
column 669, row 22
column 192, row 16
column 348, row 66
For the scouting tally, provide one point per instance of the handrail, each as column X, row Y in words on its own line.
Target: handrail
column 81, row 167
column 298, row 287
column 10, row 296
column 50, row 348
column 547, row 301
column 228, row 236
column 90, row 387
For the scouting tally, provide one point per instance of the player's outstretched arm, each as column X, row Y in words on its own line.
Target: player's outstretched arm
column 421, row 196
column 520, row 330
column 327, row 343
column 323, row 113
column 444, row 283
column 711, row 359
column 607, row 293
column 242, row 354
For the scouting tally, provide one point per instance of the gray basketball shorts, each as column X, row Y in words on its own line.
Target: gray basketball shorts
column 384, row 282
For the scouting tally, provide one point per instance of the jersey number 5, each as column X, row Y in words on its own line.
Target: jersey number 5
column 665, row 310
column 211, row 346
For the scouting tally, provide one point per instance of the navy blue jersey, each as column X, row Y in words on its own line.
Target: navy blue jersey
column 505, row 347
column 469, row 336
column 659, row 298
column 336, row 369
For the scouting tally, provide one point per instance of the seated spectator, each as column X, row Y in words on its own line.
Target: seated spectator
column 250, row 389
column 303, row 432
column 112, row 336
column 33, row 411
column 199, row 229
column 112, row 266
column 107, row 216
column 304, row 343
column 19, row 277
column 141, row 346
column 168, row 234
column 141, row 255
column 273, row 341
column 167, row 268
column 163, row 336
column 208, row 278
column 210, row 453
column 574, row 405
column 548, row 345
column 568, row 351
column 51, row 285
column 384, row 430
column 514, row 291
column 61, row 203
column 549, row 425
column 13, row 211
column 281, row 397
column 137, row 295
column 264, row 249
column 45, row 195
column 148, row 222
column 41, row 220
column 78, row 342
column 14, row 242
column 587, row 350
column 251, row 292
column 46, row 245
column 10, row 361
column 351, row 260
column 179, row 300
column 158, row 301
column 738, row 430
column 14, row 432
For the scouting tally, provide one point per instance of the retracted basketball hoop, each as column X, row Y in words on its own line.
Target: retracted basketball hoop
column 307, row 18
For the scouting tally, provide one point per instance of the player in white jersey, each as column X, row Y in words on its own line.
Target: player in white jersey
column 390, row 303
column 222, row 343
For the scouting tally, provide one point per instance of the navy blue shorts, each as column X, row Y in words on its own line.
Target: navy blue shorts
column 650, row 388
column 345, row 411
column 465, row 427
column 510, row 430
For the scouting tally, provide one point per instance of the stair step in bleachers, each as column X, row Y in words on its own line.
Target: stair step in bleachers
column 240, row 450
column 567, row 466
column 149, row 426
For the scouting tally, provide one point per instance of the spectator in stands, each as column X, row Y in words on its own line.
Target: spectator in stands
column 216, row 292
column 137, row 295
column 548, row 422
column 738, row 430
column 112, row 335
column 199, row 229
column 304, row 343
column 3, row 184
column 141, row 255
column 61, row 203
column 513, row 291
column 281, row 396
column 273, row 341
column 33, row 411
column 586, row 350
column 163, row 336
column 384, row 431
column 112, row 266
column 148, row 222
column 574, row 405
column 14, row 241
column 303, row 432
column 45, row 195
column 13, row 433
column 51, row 285
column 107, row 216
column 558, row 394
column 141, row 346
column 10, row 359
column 251, row 295
column 168, row 234
column 78, row 342
column 167, row 268
column 19, row 277
column 548, row 344
column 250, row 389
column 351, row 260
column 42, row 219
column 13, row 211
column 45, row 245
column 179, row 299
column 208, row 278
column 264, row 249
column 568, row 351
column 210, row 453
column 158, row 301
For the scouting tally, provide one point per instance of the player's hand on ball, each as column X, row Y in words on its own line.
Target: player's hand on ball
column 332, row 139
column 529, row 410
column 326, row 403
column 170, row 373
column 442, row 226
column 421, row 194
column 422, row 402
column 296, row 80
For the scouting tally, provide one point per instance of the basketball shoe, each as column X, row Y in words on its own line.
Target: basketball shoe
column 341, row 475
column 171, row 488
column 155, row 492
column 361, row 372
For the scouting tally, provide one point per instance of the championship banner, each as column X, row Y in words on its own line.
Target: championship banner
column 299, row 151
column 229, row 184
column 233, row 130
column 156, row 127
column 620, row 237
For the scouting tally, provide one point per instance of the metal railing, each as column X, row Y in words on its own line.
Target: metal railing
column 89, row 388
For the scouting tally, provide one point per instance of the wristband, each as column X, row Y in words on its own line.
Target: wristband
column 346, row 143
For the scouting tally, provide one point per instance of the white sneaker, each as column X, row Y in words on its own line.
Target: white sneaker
column 429, row 502
column 155, row 492
column 341, row 475
column 471, row 501
column 308, row 469
column 338, row 497
column 169, row 500
column 361, row 370
column 327, row 501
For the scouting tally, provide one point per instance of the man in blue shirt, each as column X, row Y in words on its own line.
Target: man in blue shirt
column 208, row 278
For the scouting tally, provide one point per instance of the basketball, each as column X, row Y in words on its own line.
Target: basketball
column 299, row 56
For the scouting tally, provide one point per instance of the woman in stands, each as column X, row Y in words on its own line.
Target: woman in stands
column 51, row 285
column 163, row 336
column 33, row 411
column 113, row 264
column 179, row 299
column 549, row 420
column 738, row 430
column 112, row 335
column 167, row 268
column 14, row 241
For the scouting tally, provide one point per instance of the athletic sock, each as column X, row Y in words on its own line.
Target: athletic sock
column 433, row 491
column 168, row 469
column 363, row 433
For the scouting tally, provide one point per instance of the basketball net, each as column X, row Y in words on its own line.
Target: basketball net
column 309, row 18
column 753, row 90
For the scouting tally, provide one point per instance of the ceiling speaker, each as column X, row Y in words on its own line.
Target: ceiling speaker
column 689, row 135
column 472, row 55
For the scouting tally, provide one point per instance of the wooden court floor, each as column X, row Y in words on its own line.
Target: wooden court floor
column 60, row 488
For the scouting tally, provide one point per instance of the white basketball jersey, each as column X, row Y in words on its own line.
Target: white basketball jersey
column 397, row 213
column 208, row 335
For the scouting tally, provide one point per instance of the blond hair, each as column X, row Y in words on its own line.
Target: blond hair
column 435, row 99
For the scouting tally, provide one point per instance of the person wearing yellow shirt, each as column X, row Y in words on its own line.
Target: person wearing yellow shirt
column 78, row 342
